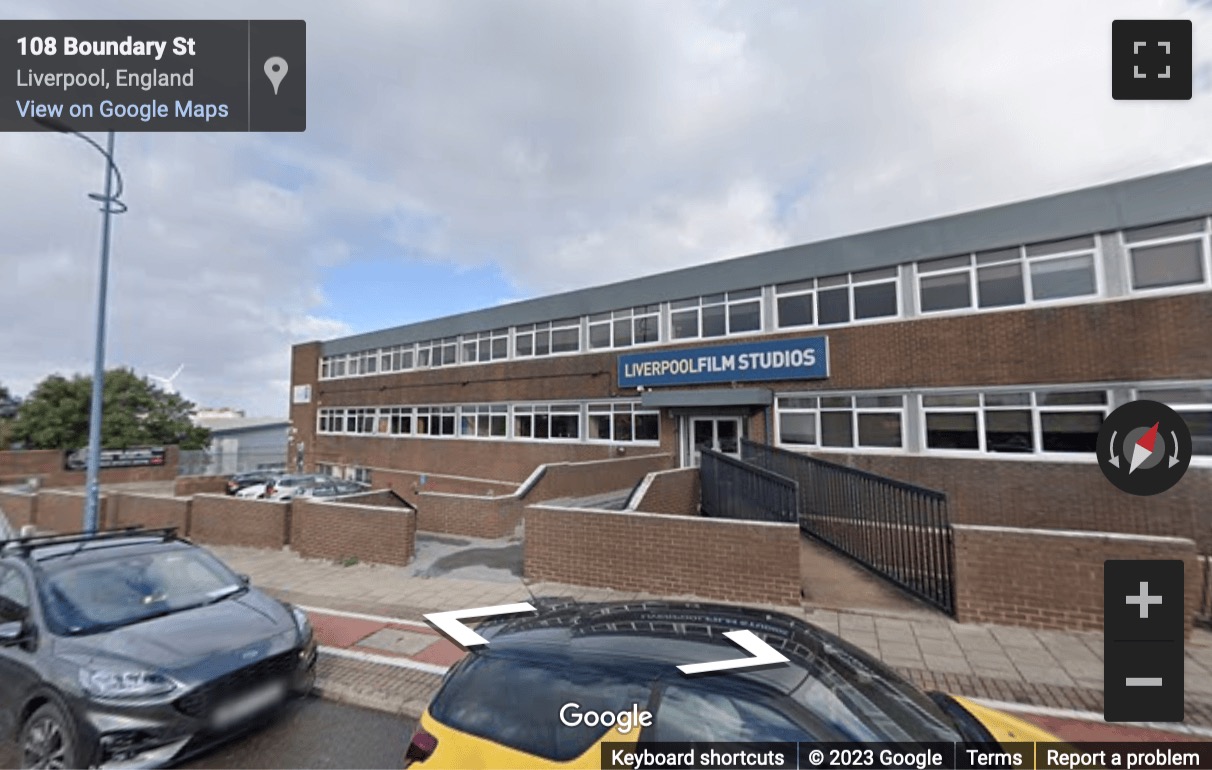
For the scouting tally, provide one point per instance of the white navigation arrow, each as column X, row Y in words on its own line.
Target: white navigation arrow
column 763, row 654
column 449, row 622
column 1174, row 458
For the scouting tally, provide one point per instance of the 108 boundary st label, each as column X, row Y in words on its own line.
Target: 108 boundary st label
column 182, row 75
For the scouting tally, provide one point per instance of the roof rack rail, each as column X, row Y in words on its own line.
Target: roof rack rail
column 24, row 544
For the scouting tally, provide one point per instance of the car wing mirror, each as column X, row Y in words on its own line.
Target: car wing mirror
column 244, row 579
column 12, row 633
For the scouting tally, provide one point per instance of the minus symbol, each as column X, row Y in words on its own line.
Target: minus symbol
column 1143, row 681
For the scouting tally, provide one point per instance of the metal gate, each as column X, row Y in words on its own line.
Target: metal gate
column 732, row 489
column 899, row 531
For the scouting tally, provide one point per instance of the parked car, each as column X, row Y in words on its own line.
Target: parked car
column 248, row 479
column 281, row 486
column 333, row 488
column 285, row 487
column 137, row 648
column 538, row 694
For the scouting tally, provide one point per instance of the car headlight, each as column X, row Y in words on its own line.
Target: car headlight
column 118, row 683
column 301, row 622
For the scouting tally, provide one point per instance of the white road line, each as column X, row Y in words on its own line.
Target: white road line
column 364, row 616
column 386, row 660
column 1090, row 716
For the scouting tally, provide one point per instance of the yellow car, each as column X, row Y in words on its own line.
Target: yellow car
column 570, row 685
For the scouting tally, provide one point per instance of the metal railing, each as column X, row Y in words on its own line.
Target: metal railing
column 898, row 530
column 733, row 489
column 1203, row 614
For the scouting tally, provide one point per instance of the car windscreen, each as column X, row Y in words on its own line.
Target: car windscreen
column 864, row 700
column 95, row 595
column 516, row 703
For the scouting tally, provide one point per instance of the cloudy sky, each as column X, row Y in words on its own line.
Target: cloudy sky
column 463, row 154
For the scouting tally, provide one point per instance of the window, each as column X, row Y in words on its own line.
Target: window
column 1062, row 269
column 1008, row 277
column 838, row 299
column 1194, row 404
column 1168, row 255
column 688, row 714
column 841, row 421
column 484, row 421
column 435, row 421
column 557, row 421
column 624, row 328
column 434, row 353
column 14, row 596
column 359, row 474
column 486, row 346
column 396, row 359
column 716, row 315
column 620, row 422
column 547, row 338
column 498, row 696
column 1006, row 422
column 399, row 421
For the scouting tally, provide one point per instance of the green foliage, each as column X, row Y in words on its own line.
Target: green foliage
column 134, row 413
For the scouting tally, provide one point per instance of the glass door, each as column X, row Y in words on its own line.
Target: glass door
column 722, row 434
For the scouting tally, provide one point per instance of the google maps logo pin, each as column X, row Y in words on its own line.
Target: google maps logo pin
column 275, row 70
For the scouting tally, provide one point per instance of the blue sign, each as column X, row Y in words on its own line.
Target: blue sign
column 804, row 358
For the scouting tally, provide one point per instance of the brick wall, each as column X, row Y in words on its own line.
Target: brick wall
column 408, row 483
column 1048, row 578
column 503, row 461
column 380, row 498
column 62, row 511
column 326, row 530
column 468, row 515
column 128, row 509
column 675, row 492
column 595, row 477
column 47, row 466
column 668, row 555
column 224, row 520
column 195, row 485
column 1042, row 495
column 19, row 508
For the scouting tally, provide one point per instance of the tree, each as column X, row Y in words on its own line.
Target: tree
column 8, row 411
column 134, row 413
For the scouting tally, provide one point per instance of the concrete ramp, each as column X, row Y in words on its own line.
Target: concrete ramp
column 830, row 580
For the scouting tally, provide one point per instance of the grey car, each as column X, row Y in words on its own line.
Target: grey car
column 137, row 648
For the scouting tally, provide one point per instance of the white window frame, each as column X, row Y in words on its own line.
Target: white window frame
column 727, row 303
column 1149, row 389
column 612, row 408
column 972, row 271
column 549, row 328
column 436, row 412
column 480, row 339
column 547, row 408
column 630, row 315
column 486, row 413
column 854, row 410
column 1034, row 406
column 1204, row 239
column 851, row 282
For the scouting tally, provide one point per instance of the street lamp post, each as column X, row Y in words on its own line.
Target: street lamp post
column 110, row 204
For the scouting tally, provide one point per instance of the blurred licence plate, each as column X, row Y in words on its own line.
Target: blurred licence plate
column 246, row 705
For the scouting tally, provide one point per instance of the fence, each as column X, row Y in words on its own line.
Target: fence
column 200, row 462
column 733, row 489
column 898, row 530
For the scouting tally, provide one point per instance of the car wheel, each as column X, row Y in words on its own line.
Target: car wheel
column 49, row 740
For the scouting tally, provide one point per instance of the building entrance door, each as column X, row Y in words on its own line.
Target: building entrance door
column 722, row 434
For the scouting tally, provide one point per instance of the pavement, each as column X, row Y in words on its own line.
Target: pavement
column 378, row 652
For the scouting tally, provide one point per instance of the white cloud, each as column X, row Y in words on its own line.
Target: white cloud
column 567, row 143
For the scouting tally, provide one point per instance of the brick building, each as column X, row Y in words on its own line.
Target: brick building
column 976, row 353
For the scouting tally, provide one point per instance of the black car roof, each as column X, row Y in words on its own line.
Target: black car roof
column 660, row 635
